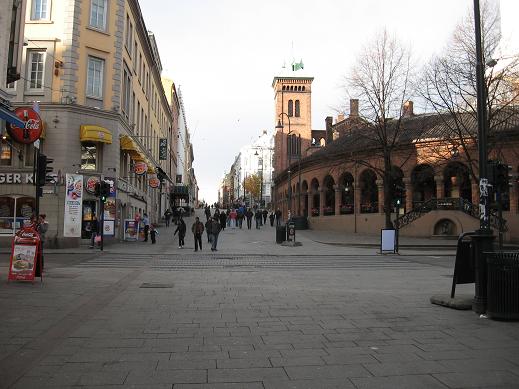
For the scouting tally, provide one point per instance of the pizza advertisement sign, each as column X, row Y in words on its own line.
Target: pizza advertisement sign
column 140, row 168
column 25, row 255
column 33, row 126
column 90, row 184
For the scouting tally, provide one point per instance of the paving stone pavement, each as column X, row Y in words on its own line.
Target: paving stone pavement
column 253, row 315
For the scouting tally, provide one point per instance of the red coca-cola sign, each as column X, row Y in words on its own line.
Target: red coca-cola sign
column 33, row 126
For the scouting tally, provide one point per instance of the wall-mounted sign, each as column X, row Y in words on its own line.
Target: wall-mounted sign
column 163, row 149
column 90, row 184
column 153, row 181
column 73, row 205
column 140, row 168
column 16, row 178
column 33, row 126
column 178, row 179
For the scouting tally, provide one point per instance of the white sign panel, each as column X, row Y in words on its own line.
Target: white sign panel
column 388, row 241
column 73, row 206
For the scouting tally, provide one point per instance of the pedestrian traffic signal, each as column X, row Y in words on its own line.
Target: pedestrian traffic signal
column 104, row 189
column 42, row 169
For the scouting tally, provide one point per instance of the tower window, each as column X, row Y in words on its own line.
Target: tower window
column 298, row 109
column 303, row 88
column 291, row 87
column 290, row 108
column 299, row 88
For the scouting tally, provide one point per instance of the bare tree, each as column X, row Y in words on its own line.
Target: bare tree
column 449, row 87
column 381, row 80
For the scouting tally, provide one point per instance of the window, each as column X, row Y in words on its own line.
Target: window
column 290, row 108
column 95, row 77
column 135, row 51
column 129, row 35
column 40, row 10
column 11, row 85
column 98, row 14
column 298, row 109
column 6, row 154
column 88, row 156
column 127, row 82
column 35, row 69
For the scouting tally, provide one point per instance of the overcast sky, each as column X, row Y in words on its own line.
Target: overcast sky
column 224, row 54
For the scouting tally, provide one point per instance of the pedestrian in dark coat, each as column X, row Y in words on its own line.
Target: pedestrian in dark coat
column 215, row 232
column 181, row 229
column 265, row 214
column 248, row 215
column 272, row 217
column 258, row 216
column 278, row 217
column 153, row 233
column 208, row 229
column 223, row 220
column 198, row 229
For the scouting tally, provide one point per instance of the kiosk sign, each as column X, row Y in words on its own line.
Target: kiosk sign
column 33, row 126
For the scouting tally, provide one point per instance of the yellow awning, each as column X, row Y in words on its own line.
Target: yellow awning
column 91, row 133
column 128, row 145
column 151, row 168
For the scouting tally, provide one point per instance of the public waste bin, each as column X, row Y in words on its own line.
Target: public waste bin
column 503, row 285
column 281, row 234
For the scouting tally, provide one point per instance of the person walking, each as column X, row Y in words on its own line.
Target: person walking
column 207, row 213
column 167, row 217
column 208, row 229
column 233, row 216
column 146, row 222
column 278, row 215
column 198, row 229
column 181, row 229
column 227, row 213
column 265, row 214
column 258, row 216
column 215, row 231
column 153, row 234
column 43, row 227
column 223, row 220
column 248, row 215
column 271, row 218
column 239, row 217
column 94, row 228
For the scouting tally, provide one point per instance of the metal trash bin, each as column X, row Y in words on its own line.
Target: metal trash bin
column 503, row 285
column 281, row 234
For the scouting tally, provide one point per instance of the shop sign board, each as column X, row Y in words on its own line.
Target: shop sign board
column 163, row 149
column 388, row 240
column 33, row 126
column 25, row 255
column 153, row 181
column 90, row 184
column 140, row 168
column 16, row 178
column 131, row 230
column 110, row 208
column 109, row 227
column 73, row 206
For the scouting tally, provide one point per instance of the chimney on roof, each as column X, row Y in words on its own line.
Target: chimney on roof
column 329, row 129
column 354, row 107
column 340, row 117
column 407, row 109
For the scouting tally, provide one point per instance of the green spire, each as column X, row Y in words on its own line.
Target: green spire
column 297, row 65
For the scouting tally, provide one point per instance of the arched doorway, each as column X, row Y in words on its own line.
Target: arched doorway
column 398, row 192
column 304, row 188
column 456, row 180
column 316, row 197
column 347, row 194
column 424, row 186
column 329, row 196
column 368, row 192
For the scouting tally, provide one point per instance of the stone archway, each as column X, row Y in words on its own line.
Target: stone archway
column 304, row 188
column 456, row 181
column 316, row 197
column 347, row 205
column 368, row 191
column 423, row 184
column 329, row 196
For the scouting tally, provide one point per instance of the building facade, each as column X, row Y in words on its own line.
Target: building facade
column 95, row 71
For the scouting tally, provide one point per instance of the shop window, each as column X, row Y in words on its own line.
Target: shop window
column 15, row 212
column 89, row 157
column 6, row 154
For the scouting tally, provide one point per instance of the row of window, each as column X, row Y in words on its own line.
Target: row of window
column 297, row 88
column 41, row 10
column 294, row 112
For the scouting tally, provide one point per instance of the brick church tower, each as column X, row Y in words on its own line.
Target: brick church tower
column 293, row 102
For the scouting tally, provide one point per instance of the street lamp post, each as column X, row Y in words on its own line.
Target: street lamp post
column 483, row 240
column 289, row 155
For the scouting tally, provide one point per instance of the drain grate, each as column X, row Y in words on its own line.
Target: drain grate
column 155, row 286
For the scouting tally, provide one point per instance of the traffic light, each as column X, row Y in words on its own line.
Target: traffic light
column 503, row 177
column 104, row 189
column 42, row 169
column 97, row 189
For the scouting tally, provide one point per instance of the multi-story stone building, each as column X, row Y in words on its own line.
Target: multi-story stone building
column 95, row 70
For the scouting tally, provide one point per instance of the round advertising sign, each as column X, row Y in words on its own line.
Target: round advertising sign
column 140, row 168
column 90, row 185
column 154, row 182
column 33, row 126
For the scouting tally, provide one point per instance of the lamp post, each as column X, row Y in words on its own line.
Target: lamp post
column 289, row 155
column 483, row 240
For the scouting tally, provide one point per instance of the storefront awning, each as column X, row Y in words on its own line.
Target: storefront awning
column 89, row 133
column 9, row 116
column 128, row 145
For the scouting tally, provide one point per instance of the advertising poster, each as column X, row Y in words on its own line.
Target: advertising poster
column 131, row 230
column 23, row 263
column 110, row 209
column 73, row 206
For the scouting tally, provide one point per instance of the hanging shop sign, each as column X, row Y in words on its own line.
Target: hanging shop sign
column 90, row 184
column 110, row 208
column 163, row 149
column 73, row 206
column 33, row 126
column 140, row 168
column 153, row 181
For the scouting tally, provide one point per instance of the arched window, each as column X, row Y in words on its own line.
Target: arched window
column 303, row 88
column 283, row 88
column 290, row 108
column 291, row 87
column 298, row 109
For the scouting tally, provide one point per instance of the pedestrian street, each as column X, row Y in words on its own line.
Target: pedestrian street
column 252, row 315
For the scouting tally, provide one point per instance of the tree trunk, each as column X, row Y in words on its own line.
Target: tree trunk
column 387, row 189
